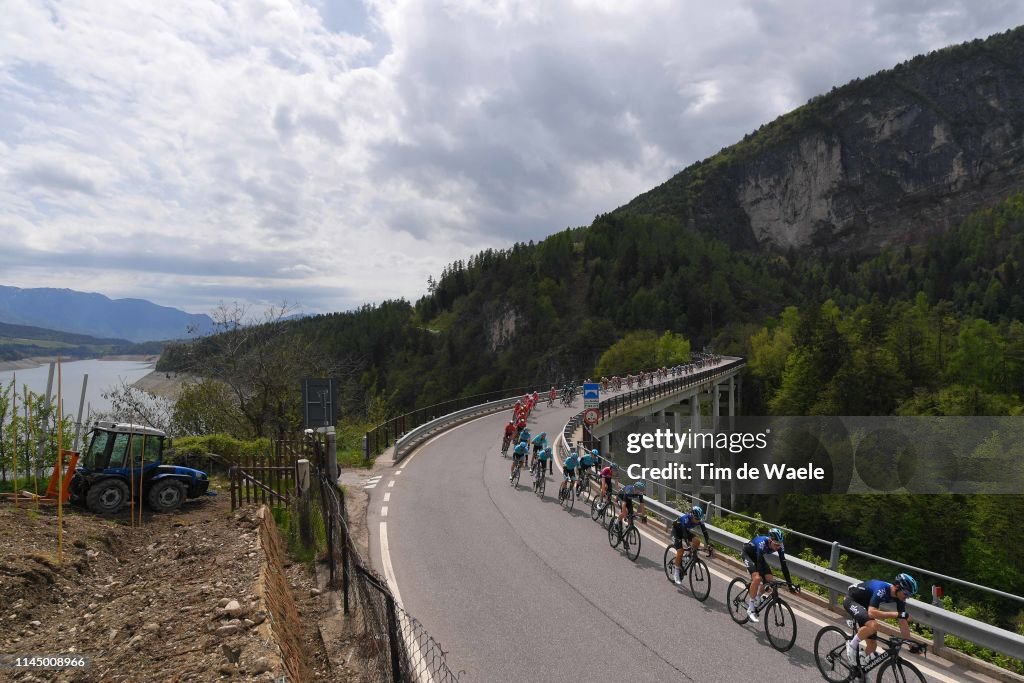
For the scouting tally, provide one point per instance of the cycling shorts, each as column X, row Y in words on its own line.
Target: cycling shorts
column 749, row 557
column 517, row 455
column 570, row 473
column 628, row 500
column 680, row 535
column 856, row 610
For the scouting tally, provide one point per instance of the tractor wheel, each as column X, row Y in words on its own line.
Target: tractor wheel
column 107, row 496
column 166, row 495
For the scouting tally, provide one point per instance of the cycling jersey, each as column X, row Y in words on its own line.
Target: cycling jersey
column 520, row 450
column 682, row 528
column 510, row 429
column 544, row 455
column 570, row 463
column 754, row 553
column 873, row 593
column 540, row 440
column 524, row 436
column 587, row 461
column 629, row 493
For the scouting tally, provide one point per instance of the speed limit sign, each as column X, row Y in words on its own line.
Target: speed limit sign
column 591, row 416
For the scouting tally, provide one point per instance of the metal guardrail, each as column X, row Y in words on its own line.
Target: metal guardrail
column 410, row 439
column 644, row 395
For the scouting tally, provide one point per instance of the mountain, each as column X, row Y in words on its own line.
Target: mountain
column 888, row 160
column 96, row 315
column 24, row 341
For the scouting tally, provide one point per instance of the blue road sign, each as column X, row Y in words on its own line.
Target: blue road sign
column 591, row 391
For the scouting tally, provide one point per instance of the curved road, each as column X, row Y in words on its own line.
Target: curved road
column 516, row 589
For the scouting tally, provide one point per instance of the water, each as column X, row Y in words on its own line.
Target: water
column 103, row 376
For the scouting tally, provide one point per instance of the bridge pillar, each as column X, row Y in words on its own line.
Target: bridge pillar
column 716, row 456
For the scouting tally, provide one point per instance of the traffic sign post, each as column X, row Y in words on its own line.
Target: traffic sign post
column 591, row 395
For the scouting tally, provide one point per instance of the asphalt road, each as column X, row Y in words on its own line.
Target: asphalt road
column 516, row 589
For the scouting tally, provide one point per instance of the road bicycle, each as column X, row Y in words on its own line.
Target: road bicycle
column 539, row 480
column 505, row 443
column 601, row 510
column 693, row 569
column 583, row 485
column 830, row 656
column 628, row 536
column 567, row 495
column 516, row 470
column 777, row 615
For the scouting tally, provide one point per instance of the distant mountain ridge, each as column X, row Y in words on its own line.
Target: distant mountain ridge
column 96, row 315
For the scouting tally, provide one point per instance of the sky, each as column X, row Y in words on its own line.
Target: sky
column 327, row 154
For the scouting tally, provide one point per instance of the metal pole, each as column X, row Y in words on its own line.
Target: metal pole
column 40, row 447
column 81, row 404
column 833, row 564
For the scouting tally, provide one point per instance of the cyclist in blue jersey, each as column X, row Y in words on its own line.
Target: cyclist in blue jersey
column 587, row 461
column 753, row 556
column 682, row 533
column 863, row 602
column 539, row 443
column 627, row 495
column 519, row 454
column 569, row 471
column 543, row 458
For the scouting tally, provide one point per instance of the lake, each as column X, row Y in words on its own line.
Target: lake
column 103, row 375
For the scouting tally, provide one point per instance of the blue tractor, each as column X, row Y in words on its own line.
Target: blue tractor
column 125, row 461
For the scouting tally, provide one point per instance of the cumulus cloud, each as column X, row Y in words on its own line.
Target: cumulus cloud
column 340, row 153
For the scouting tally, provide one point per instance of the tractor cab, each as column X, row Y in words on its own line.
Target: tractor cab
column 124, row 462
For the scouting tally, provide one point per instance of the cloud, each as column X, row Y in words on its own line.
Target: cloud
column 343, row 152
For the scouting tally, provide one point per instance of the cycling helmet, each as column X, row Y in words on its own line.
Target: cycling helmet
column 907, row 583
column 775, row 533
column 698, row 512
column 615, row 468
column 595, row 452
column 639, row 485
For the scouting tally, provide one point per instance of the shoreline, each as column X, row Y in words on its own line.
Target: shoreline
column 37, row 361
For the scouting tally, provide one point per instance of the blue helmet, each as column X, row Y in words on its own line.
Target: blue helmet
column 595, row 452
column 639, row 485
column 907, row 583
column 698, row 512
column 775, row 533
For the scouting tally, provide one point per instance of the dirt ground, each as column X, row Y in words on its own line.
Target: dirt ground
column 172, row 600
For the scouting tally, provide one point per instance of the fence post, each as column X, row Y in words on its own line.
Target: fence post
column 302, row 485
column 393, row 635
column 344, row 547
column 833, row 564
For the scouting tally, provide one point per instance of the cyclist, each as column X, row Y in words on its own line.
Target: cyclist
column 753, row 556
column 552, row 395
column 627, row 495
column 682, row 533
column 544, row 457
column 607, row 475
column 510, row 431
column 539, row 443
column 518, row 456
column 863, row 604
column 568, row 472
column 587, row 461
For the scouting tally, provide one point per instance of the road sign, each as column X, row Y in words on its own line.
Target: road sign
column 591, row 395
column 319, row 404
column 591, row 416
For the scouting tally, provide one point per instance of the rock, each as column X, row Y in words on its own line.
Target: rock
column 227, row 670
column 315, row 592
column 224, row 602
column 151, row 627
column 135, row 641
column 229, row 630
column 234, row 609
column 261, row 665
column 231, row 653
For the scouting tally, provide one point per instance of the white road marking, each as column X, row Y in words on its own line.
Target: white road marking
column 389, row 573
column 384, row 511
column 372, row 481
column 397, row 472
column 391, row 483
column 387, row 497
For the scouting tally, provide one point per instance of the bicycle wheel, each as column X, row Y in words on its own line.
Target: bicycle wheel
column 899, row 671
column 570, row 499
column 614, row 537
column 596, row 510
column 736, row 600
column 829, row 645
column 515, row 477
column 780, row 625
column 541, row 485
column 632, row 541
column 700, row 579
column 669, row 562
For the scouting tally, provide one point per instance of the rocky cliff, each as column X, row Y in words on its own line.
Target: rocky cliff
column 885, row 160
